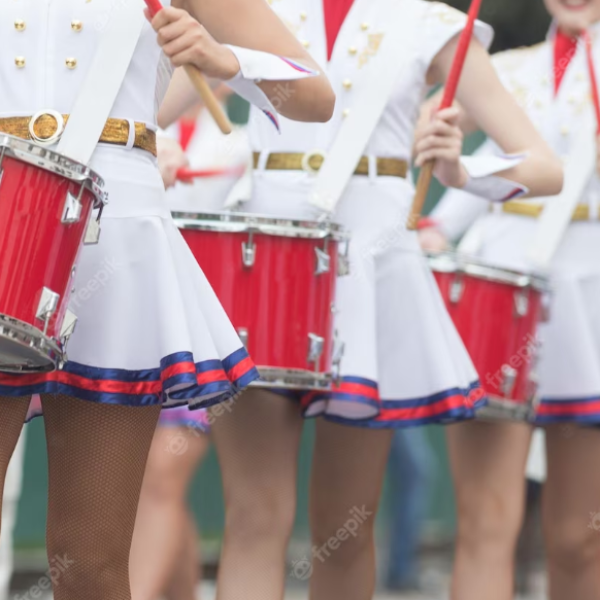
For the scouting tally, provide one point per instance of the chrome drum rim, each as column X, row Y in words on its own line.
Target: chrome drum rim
column 292, row 379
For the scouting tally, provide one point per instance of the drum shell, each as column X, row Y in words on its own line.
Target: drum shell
column 37, row 249
column 493, row 331
column 279, row 300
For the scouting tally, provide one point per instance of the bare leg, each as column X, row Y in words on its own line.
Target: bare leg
column 257, row 443
column 488, row 465
column 162, row 519
column 97, row 456
column 188, row 570
column 571, row 509
column 347, row 476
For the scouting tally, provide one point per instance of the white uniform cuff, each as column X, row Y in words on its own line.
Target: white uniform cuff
column 484, row 183
column 256, row 66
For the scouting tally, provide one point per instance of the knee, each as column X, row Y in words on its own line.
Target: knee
column 269, row 518
column 489, row 521
column 342, row 541
column 572, row 547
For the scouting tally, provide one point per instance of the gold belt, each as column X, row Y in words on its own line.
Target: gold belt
column 46, row 128
column 313, row 161
column 533, row 210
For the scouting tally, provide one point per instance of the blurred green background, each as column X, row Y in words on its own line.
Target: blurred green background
column 517, row 23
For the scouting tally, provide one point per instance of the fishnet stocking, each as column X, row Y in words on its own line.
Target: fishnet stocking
column 97, row 456
column 12, row 416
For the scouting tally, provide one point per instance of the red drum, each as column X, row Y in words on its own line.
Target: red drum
column 276, row 280
column 496, row 312
column 46, row 203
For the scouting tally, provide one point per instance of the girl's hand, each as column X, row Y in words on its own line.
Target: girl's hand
column 186, row 42
column 171, row 158
column 433, row 240
column 441, row 140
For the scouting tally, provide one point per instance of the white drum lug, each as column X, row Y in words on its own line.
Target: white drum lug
column 92, row 233
column 2, row 152
column 522, row 302
column 509, row 378
column 249, row 252
column 339, row 348
column 456, row 289
column 323, row 262
column 546, row 307
column 344, row 260
column 243, row 335
column 72, row 210
column 316, row 344
column 68, row 327
column 47, row 306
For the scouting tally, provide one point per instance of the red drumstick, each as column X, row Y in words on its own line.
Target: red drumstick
column 200, row 83
column 589, row 50
column 426, row 173
column 186, row 174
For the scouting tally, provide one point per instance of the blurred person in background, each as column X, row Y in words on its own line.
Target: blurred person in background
column 412, row 468
column 165, row 555
column 552, row 82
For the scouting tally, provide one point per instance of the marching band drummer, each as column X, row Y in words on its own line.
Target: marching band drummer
column 404, row 363
column 153, row 333
column 552, row 82
column 165, row 550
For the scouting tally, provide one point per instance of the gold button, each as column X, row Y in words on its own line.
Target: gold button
column 571, row 99
column 580, row 77
column 347, row 84
column 564, row 130
column 364, row 26
column 71, row 63
column 545, row 80
column 20, row 25
column 303, row 16
column 539, row 104
column 20, row 61
column 76, row 25
column 352, row 50
column 306, row 43
column 345, row 112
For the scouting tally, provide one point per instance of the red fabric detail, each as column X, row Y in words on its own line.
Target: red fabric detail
column 426, row 223
column 335, row 12
column 565, row 48
column 187, row 128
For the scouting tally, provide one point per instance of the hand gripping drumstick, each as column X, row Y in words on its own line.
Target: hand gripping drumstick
column 426, row 173
column 587, row 38
column 200, row 83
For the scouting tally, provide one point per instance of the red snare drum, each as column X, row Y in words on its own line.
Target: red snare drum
column 276, row 280
column 46, row 203
column 496, row 312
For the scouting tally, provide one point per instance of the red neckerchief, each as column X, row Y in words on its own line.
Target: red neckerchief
column 187, row 128
column 565, row 48
column 335, row 12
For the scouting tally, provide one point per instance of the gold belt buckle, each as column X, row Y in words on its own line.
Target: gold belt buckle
column 308, row 159
column 60, row 127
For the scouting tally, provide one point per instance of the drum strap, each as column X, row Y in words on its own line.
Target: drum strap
column 558, row 210
column 103, row 80
column 396, row 54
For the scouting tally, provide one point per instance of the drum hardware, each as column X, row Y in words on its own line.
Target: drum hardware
column 2, row 152
column 546, row 307
column 323, row 260
column 243, row 335
column 522, row 302
column 47, row 306
column 68, row 327
column 339, row 348
column 92, row 233
column 249, row 251
column 73, row 207
column 55, row 137
column 509, row 378
column 344, row 260
column 456, row 289
column 316, row 343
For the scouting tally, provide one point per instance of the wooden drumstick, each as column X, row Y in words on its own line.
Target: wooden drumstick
column 426, row 173
column 197, row 78
column 589, row 49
